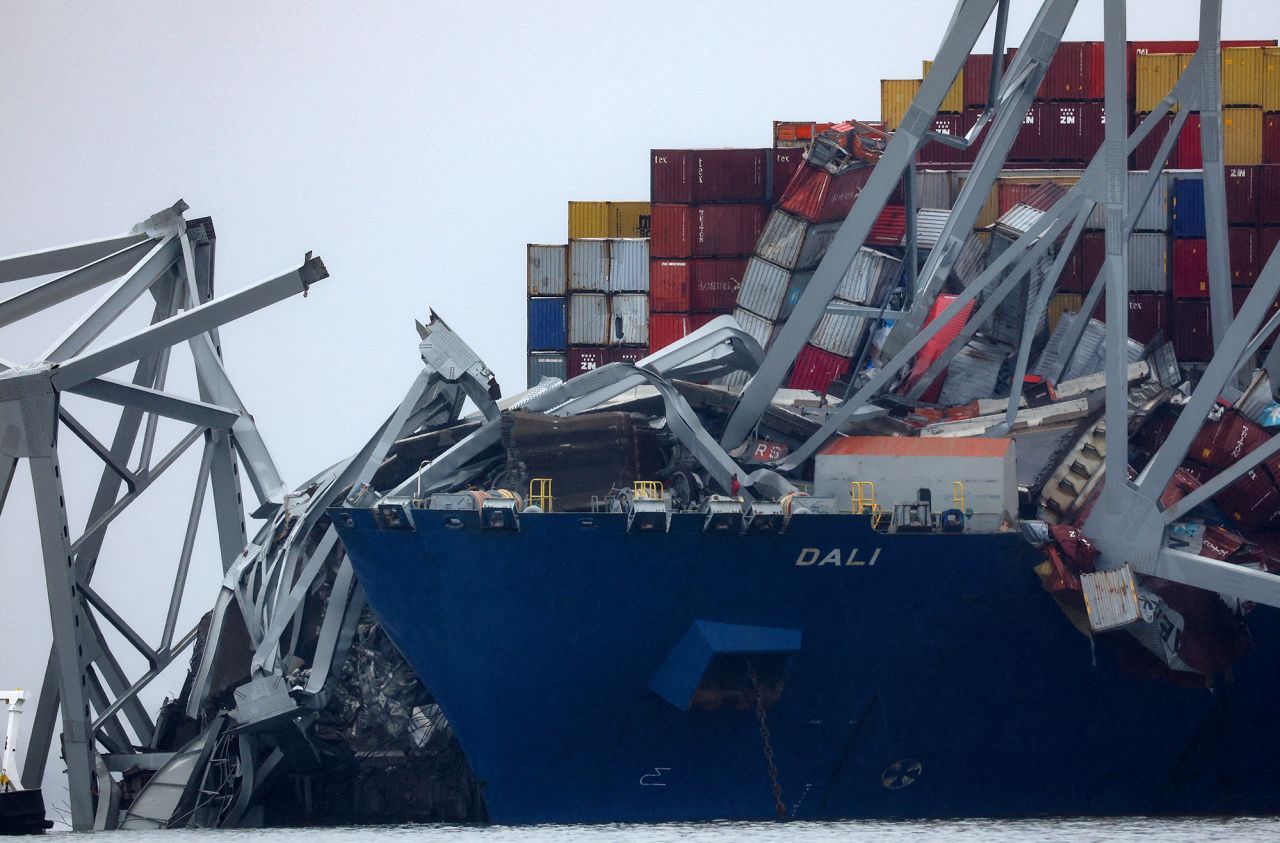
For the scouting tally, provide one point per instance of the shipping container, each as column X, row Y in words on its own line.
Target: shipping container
column 933, row 189
column 764, row 289
column 972, row 259
column 1075, row 130
column 1137, row 48
column 546, row 324
column 589, row 265
column 1148, row 263
column 629, row 265
column 936, row 345
column 799, row 282
column 690, row 176
column 588, row 319
column 896, row 96
column 839, row 334
column 938, row 154
column 1271, row 138
column 629, row 319
column 977, row 79
column 785, row 163
column 1271, row 78
column 1032, row 143
column 629, row 219
column 682, row 231
column 1242, row 76
column 818, row 196
column 666, row 328
column 628, row 353
column 754, row 325
column 1269, row 194
column 1190, row 269
column 793, row 243
column 1010, row 193
column 714, row 283
column 1144, row 156
column 1157, row 74
column 815, row 369
column 953, row 102
column 1154, row 215
column 1242, row 195
column 1241, row 135
column 669, row 285
column 582, row 359
column 1186, row 150
column 548, row 270
column 1268, row 238
column 1148, row 316
column 1093, row 254
column 869, row 277
column 1186, row 208
column 1066, row 76
column 1095, row 60
column 545, row 364
column 1062, row 303
column 1192, row 330
column 1244, row 247
column 1238, row 297
column 930, row 223
column 1071, row 279
column 890, row 227
column 791, row 133
column 588, row 220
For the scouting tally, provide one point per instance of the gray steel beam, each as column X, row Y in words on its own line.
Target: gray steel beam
column 63, row 258
column 100, row 451
column 1213, row 575
column 118, row 622
column 162, row 403
column 1221, row 481
column 72, row 284
column 1206, row 65
column 188, row 545
column 8, row 466
column 228, row 504
column 170, row 296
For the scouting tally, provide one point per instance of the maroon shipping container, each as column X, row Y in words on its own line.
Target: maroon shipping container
column 1072, row 278
column 666, row 328
column 1144, row 157
column 1065, row 77
column 785, row 163
column 1093, row 254
column 1148, row 315
column 815, row 369
column 1252, row 502
column 1238, row 295
column 683, row 231
column 1268, row 239
column 714, row 283
column 584, row 358
column 668, row 286
column 1032, row 143
column 1095, row 78
column 1243, row 243
column 1075, row 130
column 1186, row 149
column 1271, row 138
column 1192, row 333
column 628, row 353
column 687, row 176
column 890, row 227
column 1242, row 194
column 936, row 154
column 817, row 196
column 1269, row 194
column 977, row 79
column 1190, row 269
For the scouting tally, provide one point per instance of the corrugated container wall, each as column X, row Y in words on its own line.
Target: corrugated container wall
column 629, row 319
column 934, row 189
column 1157, row 74
column 758, row 327
column 545, row 364
column 687, row 176
column 629, row 266
column 794, row 243
column 669, row 285
column 548, row 270
column 546, row 324
column 868, row 277
column 895, row 98
column 953, row 102
column 764, row 289
column 1148, row 263
column 783, row 166
column 1190, row 269
column 589, row 265
column 588, row 319
column 815, row 369
column 1242, row 76
column 1186, row 208
column 585, row 358
column 1063, row 303
column 1241, row 135
column 1271, row 78
column 666, row 328
column 629, row 219
column 714, row 284
column 588, row 219
column 1244, row 255
column 682, row 231
column 1242, row 194
column 839, row 334
column 1155, row 214
column 977, row 79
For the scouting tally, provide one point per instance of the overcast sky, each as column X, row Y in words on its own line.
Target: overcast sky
column 416, row 147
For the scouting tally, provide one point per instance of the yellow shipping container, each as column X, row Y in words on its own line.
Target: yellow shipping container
column 1271, row 78
column 1157, row 73
column 1242, row 136
column 1063, row 303
column 953, row 102
column 589, row 219
column 1242, row 76
column 895, row 98
column 629, row 219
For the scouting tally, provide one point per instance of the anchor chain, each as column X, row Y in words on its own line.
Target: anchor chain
column 779, row 806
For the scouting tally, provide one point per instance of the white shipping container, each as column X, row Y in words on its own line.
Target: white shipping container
column 1148, row 263
column 755, row 326
column 816, row 243
column 929, row 225
column 972, row 259
column 548, row 270
column 629, row 265
column 934, row 189
column 589, row 265
column 793, row 243
column 545, row 364
column 764, row 288
column 1155, row 214
column 1018, row 220
column 868, row 277
column 588, row 319
column 629, row 319
column 839, row 334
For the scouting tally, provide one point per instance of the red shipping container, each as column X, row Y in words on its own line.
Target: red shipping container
column 890, row 227
column 1268, row 239
column 785, row 163
column 1269, row 194
column 1065, row 77
column 1243, row 246
column 687, row 176
column 1075, row 130
column 628, row 353
column 1095, row 67
column 669, row 286
column 1072, row 278
column 1192, row 332
column 1271, row 138
column 1148, row 315
column 701, row 231
column 714, row 283
column 1144, row 157
column 977, row 79
column 1252, row 502
column 1032, row 143
column 937, row 154
column 1190, row 269
column 1009, row 194
column 697, row 320
column 666, row 328
column 934, row 347
column 1242, row 194
column 817, row 196
column 1186, row 149
column 584, row 358
column 1093, row 254
column 1238, row 295
column 815, row 369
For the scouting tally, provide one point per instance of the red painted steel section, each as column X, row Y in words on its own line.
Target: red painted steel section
column 714, row 284
column 890, row 227
column 669, row 286
column 977, row 78
column 1271, row 138
column 707, row 175
column 1269, row 194
column 936, row 154
column 1243, row 245
column 666, row 328
column 1032, row 143
column 1242, row 194
column 683, row 231
column 1190, row 269
column 1144, row 156
column 1192, row 332
column 584, row 358
column 816, row 369
column 783, row 166
column 817, row 196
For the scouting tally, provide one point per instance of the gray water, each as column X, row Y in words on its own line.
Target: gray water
column 1041, row 831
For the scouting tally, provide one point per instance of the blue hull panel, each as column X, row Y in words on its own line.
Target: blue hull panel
column 940, row 681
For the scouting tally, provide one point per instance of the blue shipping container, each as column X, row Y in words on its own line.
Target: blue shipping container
column 547, row 324
column 1186, row 208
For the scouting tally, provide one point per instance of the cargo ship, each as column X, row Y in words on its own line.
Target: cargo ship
column 621, row 626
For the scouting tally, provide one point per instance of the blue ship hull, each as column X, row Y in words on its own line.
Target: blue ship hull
column 939, row 681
